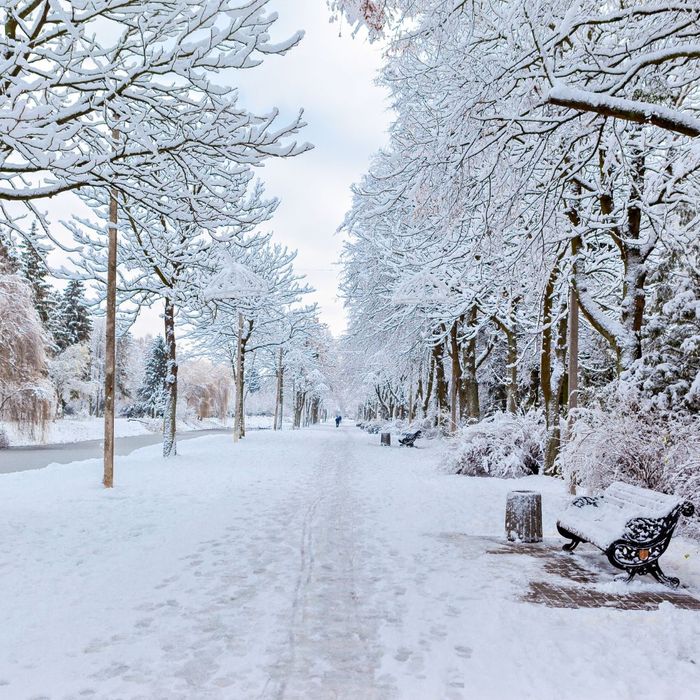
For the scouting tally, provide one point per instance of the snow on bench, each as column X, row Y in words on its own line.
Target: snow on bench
column 631, row 525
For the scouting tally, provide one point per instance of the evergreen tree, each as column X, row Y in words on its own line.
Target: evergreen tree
column 669, row 370
column 151, row 396
column 74, row 323
column 253, row 380
column 125, row 345
column 35, row 272
column 9, row 262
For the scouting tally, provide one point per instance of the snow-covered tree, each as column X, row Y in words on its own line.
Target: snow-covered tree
column 36, row 273
column 73, row 322
column 25, row 392
column 68, row 371
column 152, row 395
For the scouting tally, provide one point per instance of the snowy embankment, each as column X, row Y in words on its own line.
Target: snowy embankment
column 68, row 430
column 306, row 564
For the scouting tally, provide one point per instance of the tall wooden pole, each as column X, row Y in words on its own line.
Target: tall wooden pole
column 110, row 337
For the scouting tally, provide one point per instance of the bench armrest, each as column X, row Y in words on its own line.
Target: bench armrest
column 645, row 530
column 582, row 501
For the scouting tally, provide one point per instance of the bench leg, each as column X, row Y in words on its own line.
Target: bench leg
column 631, row 573
column 575, row 541
column 655, row 570
column 570, row 546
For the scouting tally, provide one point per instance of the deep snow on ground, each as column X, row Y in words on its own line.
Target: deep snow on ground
column 309, row 564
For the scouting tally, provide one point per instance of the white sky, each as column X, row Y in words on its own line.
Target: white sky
column 332, row 78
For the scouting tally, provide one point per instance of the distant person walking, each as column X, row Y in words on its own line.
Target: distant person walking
column 338, row 418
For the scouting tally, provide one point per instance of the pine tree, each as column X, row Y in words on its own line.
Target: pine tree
column 35, row 272
column 669, row 370
column 151, row 396
column 253, row 380
column 125, row 345
column 9, row 262
column 74, row 323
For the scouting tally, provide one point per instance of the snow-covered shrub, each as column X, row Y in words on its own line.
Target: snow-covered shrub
column 505, row 445
column 625, row 440
column 4, row 439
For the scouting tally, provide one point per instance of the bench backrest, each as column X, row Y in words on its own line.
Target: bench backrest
column 645, row 501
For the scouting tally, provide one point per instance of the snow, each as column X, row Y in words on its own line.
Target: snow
column 305, row 564
column 606, row 521
column 70, row 430
column 75, row 430
column 677, row 120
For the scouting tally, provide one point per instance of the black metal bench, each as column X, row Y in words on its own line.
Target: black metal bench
column 631, row 525
column 409, row 439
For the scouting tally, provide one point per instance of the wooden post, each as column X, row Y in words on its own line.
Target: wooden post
column 110, row 336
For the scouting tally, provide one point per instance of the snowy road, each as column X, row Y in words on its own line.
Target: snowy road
column 302, row 565
column 17, row 459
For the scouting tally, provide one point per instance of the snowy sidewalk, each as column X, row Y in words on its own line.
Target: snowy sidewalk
column 310, row 564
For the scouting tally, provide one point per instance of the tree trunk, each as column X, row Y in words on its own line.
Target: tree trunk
column 552, row 356
column 110, row 338
column 440, row 380
column 429, row 384
column 170, row 415
column 279, row 398
column 456, row 379
column 469, row 398
column 239, row 382
column 512, row 364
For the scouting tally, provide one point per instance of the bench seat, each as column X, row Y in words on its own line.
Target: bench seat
column 631, row 525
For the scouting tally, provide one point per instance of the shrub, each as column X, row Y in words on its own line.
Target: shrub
column 4, row 439
column 505, row 445
column 625, row 440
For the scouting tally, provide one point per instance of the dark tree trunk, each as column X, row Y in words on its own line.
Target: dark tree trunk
column 170, row 414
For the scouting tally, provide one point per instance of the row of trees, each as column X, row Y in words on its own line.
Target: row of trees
column 44, row 380
column 529, row 237
column 131, row 107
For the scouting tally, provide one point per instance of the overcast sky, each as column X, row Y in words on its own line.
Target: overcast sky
column 332, row 78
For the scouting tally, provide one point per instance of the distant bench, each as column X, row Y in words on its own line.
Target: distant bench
column 631, row 525
column 409, row 439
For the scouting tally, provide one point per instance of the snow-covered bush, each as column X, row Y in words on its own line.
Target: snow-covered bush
column 505, row 445
column 4, row 439
column 625, row 440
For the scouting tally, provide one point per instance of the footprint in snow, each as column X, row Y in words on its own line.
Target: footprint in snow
column 402, row 654
column 464, row 652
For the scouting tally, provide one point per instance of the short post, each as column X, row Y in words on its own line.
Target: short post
column 524, row 516
column 386, row 439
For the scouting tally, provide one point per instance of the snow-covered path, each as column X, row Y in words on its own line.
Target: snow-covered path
column 310, row 564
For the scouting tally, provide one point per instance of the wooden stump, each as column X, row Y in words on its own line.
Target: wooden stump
column 524, row 516
column 386, row 439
